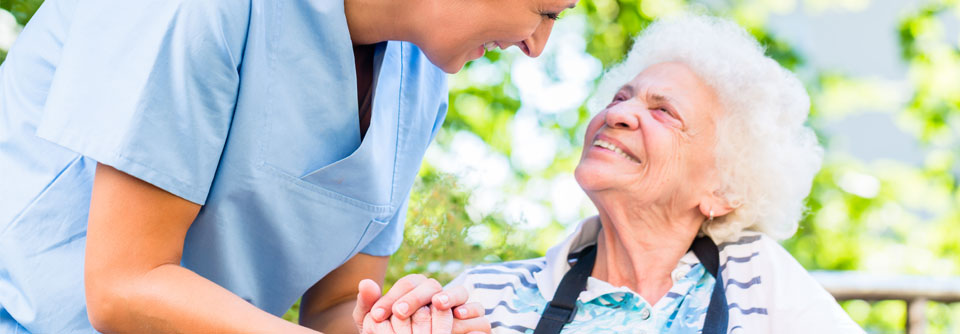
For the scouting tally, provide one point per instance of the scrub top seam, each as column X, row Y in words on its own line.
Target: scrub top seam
column 196, row 194
column 113, row 157
column 265, row 125
column 243, row 50
column 320, row 190
column 400, row 137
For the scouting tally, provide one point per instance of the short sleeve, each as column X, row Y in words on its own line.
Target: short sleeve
column 149, row 88
column 388, row 241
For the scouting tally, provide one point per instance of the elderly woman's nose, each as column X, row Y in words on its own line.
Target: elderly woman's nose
column 622, row 118
column 538, row 40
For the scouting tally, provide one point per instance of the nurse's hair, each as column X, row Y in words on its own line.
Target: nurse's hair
column 765, row 155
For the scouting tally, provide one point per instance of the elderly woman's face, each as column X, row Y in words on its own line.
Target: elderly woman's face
column 654, row 142
column 463, row 27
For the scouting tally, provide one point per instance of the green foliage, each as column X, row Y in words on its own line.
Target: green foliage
column 437, row 238
column 22, row 10
column 934, row 112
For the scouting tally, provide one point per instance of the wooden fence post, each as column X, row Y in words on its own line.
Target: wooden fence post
column 917, row 316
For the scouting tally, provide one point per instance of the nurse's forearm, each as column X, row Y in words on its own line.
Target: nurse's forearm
column 132, row 276
column 328, row 305
column 171, row 298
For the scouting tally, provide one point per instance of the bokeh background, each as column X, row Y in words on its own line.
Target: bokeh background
column 884, row 80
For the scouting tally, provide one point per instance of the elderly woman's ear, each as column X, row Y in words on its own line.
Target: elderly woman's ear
column 714, row 204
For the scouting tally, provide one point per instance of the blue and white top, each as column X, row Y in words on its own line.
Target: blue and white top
column 248, row 108
column 767, row 291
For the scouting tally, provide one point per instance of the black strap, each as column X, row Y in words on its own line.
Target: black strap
column 562, row 308
column 717, row 311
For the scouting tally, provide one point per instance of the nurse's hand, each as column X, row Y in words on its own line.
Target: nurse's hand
column 446, row 312
column 428, row 320
column 409, row 294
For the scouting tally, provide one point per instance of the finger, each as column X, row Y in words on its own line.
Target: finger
column 368, row 293
column 368, row 325
column 469, row 311
column 382, row 308
column 401, row 326
column 451, row 297
column 481, row 325
column 421, row 320
column 384, row 327
column 419, row 296
column 441, row 321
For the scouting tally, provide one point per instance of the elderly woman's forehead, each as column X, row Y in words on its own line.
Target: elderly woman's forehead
column 670, row 75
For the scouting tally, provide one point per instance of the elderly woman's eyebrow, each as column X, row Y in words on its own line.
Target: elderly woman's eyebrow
column 658, row 98
column 664, row 100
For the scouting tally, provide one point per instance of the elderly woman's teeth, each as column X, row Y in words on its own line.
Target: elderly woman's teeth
column 490, row 46
column 609, row 146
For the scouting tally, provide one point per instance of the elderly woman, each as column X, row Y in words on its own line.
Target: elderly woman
column 703, row 136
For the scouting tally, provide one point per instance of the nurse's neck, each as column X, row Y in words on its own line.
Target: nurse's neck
column 374, row 21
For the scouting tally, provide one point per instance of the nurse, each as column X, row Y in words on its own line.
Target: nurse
column 198, row 165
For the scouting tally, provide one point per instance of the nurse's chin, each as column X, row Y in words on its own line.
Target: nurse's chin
column 452, row 67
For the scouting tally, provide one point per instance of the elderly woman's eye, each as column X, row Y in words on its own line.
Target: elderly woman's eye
column 668, row 112
column 617, row 99
column 552, row 16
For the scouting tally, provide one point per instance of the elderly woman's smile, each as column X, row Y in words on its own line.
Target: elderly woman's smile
column 608, row 144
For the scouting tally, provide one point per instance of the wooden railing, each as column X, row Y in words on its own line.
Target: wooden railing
column 915, row 290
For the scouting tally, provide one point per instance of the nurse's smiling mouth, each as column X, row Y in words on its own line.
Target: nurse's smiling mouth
column 490, row 46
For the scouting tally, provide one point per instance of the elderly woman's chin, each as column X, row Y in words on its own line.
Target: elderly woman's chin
column 596, row 176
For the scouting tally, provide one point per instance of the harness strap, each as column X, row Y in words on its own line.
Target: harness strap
column 717, row 312
column 562, row 308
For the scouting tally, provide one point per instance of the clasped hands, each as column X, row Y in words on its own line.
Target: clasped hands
column 417, row 304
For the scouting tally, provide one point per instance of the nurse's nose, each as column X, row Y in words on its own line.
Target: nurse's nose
column 533, row 46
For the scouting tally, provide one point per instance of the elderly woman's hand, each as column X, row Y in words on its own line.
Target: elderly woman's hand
column 427, row 319
column 437, row 311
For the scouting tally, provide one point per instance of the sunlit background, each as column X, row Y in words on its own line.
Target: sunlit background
column 884, row 79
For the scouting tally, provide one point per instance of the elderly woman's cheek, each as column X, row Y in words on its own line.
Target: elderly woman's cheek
column 667, row 119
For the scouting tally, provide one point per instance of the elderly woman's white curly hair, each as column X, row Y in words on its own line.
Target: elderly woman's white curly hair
column 766, row 156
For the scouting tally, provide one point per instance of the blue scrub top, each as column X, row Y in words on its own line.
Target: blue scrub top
column 246, row 107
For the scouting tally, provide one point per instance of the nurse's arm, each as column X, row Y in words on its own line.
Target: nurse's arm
column 328, row 305
column 132, row 274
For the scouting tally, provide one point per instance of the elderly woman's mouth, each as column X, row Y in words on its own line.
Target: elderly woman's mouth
column 610, row 146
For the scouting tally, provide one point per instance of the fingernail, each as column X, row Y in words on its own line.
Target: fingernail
column 401, row 308
column 462, row 312
column 443, row 300
column 378, row 313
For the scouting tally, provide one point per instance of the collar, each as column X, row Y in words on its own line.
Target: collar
column 586, row 234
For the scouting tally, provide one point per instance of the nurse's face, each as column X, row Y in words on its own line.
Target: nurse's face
column 461, row 28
